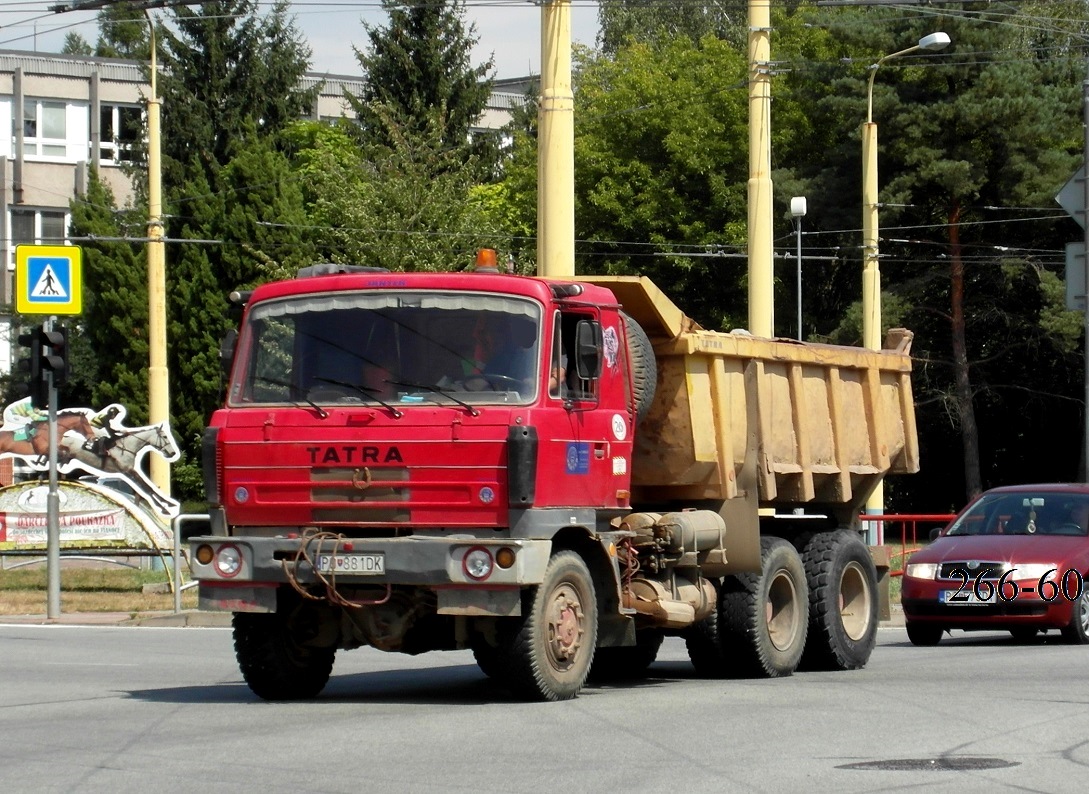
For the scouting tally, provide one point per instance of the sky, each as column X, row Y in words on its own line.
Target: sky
column 508, row 29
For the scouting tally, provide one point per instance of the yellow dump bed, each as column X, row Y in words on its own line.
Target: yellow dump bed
column 805, row 424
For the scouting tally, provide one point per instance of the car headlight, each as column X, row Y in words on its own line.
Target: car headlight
column 1034, row 571
column 921, row 570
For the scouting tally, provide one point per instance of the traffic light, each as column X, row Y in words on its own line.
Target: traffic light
column 47, row 351
column 54, row 355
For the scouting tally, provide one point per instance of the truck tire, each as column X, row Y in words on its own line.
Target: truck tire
column 843, row 602
column 489, row 658
column 274, row 664
column 644, row 367
column 704, row 649
column 763, row 618
column 628, row 662
column 549, row 656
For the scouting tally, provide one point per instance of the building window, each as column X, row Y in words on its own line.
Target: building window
column 29, row 227
column 122, row 128
column 45, row 128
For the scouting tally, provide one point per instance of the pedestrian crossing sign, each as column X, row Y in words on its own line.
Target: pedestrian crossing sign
column 48, row 279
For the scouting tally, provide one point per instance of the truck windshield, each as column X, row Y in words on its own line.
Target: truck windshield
column 389, row 347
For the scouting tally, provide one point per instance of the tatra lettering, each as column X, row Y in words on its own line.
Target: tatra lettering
column 353, row 455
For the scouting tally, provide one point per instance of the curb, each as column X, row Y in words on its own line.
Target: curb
column 198, row 619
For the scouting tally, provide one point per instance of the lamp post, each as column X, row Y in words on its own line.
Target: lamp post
column 871, row 274
column 797, row 210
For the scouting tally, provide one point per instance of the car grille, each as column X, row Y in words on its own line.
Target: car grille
column 973, row 570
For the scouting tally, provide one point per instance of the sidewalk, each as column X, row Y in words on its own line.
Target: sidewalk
column 191, row 617
column 196, row 618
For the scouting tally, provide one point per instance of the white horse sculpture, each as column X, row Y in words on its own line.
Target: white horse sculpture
column 120, row 451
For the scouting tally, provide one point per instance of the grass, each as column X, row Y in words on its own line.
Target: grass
column 24, row 591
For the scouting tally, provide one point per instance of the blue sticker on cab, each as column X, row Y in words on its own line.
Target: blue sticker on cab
column 578, row 458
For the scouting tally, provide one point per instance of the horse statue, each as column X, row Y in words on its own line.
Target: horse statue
column 118, row 451
column 32, row 439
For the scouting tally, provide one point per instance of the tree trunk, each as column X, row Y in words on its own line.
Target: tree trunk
column 969, row 433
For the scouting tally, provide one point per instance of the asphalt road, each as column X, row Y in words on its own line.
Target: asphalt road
column 139, row 709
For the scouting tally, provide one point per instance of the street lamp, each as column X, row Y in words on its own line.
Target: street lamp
column 871, row 275
column 797, row 209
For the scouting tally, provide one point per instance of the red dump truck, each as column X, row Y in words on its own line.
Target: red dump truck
column 553, row 473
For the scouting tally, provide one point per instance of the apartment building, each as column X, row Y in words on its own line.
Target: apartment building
column 67, row 111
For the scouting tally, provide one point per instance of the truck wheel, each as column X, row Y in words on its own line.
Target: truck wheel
column 762, row 618
column 549, row 656
column 924, row 634
column 704, row 649
column 842, row 602
column 644, row 367
column 627, row 662
column 275, row 665
column 489, row 658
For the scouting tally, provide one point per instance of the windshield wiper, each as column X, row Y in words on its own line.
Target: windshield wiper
column 366, row 391
column 472, row 411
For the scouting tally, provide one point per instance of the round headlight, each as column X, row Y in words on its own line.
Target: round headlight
column 477, row 563
column 228, row 561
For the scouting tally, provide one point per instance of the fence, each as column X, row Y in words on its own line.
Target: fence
column 907, row 528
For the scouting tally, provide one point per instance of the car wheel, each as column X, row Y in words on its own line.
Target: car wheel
column 1077, row 632
column 1024, row 634
column 924, row 634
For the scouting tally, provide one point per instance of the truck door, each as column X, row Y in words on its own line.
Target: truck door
column 586, row 433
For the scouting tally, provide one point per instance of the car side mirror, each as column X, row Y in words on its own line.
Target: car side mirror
column 226, row 353
column 934, row 533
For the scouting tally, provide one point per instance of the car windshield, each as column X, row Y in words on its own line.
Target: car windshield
column 1046, row 513
column 402, row 347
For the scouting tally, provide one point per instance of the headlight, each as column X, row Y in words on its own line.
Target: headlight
column 1033, row 572
column 228, row 561
column 921, row 570
column 477, row 563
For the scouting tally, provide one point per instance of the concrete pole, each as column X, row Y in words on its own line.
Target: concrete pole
column 158, row 376
column 556, row 146
column 761, row 274
column 871, row 283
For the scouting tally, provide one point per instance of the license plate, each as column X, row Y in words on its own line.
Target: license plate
column 965, row 597
column 362, row 564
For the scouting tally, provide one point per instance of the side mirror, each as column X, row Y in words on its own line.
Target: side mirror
column 934, row 533
column 588, row 344
column 226, row 353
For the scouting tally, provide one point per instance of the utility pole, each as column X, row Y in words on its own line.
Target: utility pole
column 158, row 380
column 761, row 275
column 556, row 145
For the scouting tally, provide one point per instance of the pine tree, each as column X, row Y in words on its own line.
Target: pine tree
column 230, row 88
column 418, row 74
column 111, row 349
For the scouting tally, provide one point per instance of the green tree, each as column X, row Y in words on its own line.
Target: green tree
column 230, row 88
column 75, row 44
column 405, row 206
column 113, row 328
column 624, row 21
column 123, row 32
column 418, row 76
column 992, row 123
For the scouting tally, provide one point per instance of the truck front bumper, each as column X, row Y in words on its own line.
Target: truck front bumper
column 239, row 574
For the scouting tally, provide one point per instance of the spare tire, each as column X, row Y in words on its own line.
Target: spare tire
column 644, row 367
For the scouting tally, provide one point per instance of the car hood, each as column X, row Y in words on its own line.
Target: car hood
column 1020, row 548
